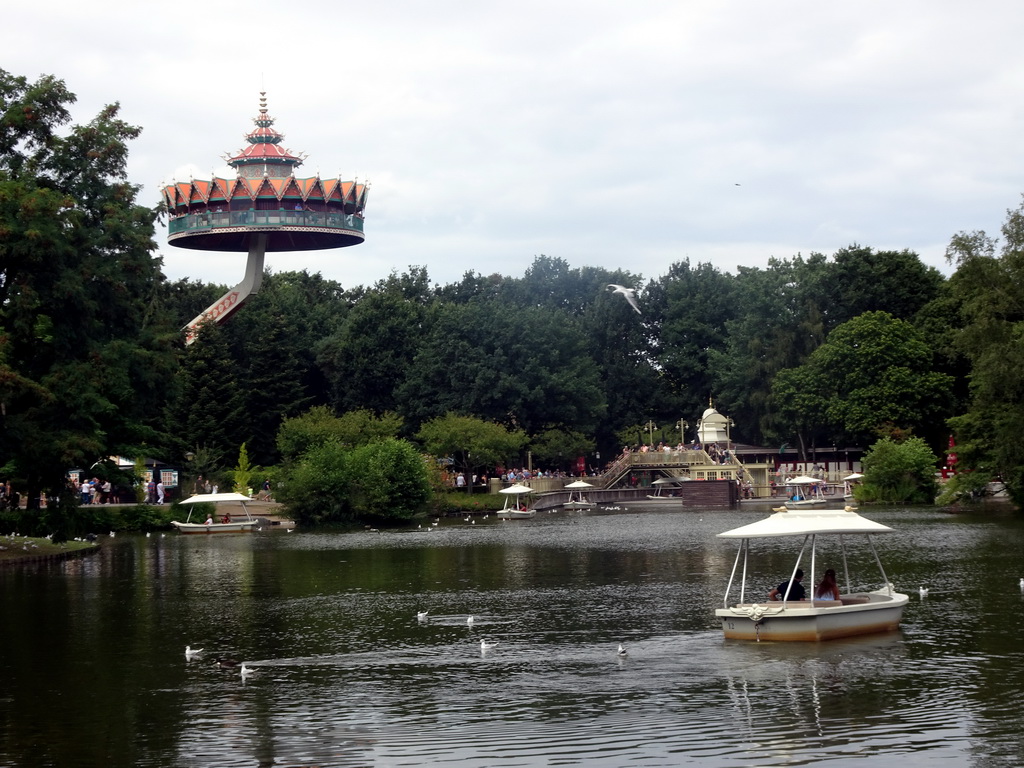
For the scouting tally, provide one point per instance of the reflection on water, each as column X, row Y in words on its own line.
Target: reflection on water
column 93, row 651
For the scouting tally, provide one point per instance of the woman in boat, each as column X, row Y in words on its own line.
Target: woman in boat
column 827, row 589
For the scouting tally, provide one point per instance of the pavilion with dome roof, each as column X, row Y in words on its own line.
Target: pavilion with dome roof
column 265, row 207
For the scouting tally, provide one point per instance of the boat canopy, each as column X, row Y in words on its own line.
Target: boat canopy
column 804, row 480
column 516, row 489
column 214, row 498
column 803, row 522
column 579, row 484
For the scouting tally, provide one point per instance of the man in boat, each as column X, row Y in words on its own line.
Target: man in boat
column 796, row 591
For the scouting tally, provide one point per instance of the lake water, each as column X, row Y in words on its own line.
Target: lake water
column 92, row 667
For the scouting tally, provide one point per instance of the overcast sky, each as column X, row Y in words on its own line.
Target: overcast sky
column 621, row 135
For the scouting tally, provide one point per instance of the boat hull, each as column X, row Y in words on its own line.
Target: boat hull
column 516, row 514
column 240, row 526
column 807, row 504
column 579, row 505
column 812, row 622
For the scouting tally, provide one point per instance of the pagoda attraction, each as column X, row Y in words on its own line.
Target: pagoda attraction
column 264, row 208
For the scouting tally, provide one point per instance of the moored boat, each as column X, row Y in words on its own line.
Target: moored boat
column 804, row 491
column 848, row 484
column 665, row 489
column 854, row 613
column 514, row 508
column 212, row 525
column 576, row 498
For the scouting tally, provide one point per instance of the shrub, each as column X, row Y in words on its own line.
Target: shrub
column 899, row 473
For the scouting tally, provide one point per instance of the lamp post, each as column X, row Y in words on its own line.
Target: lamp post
column 682, row 426
column 651, row 426
column 729, row 424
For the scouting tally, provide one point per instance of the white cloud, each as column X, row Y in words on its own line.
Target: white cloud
column 609, row 135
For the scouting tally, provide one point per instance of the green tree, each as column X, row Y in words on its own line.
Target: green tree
column 242, row 475
column 209, row 404
column 369, row 356
column 899, row 472
column 988, row 286
column 529, row 369
column 860, row 280
column 314, row 489
column 473, row 444
column 690, row 307
column 319, row 425
column 387, row 480
column 560, row 447
column 779, row 322
column 85, row 348
column 873, row 374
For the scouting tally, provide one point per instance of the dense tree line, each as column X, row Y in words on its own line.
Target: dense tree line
column 812, row 350
column 780, row 349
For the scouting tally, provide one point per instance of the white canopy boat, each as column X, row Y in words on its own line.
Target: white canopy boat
column 212, row 525
column 576, row 498
column 855, row 613
column 804, row 491
column 514, row 509
column 848, row 482
column 664, row 490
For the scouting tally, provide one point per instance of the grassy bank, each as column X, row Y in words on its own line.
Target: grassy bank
column 15, row 548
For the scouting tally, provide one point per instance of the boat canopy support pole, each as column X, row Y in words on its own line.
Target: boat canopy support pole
column 846, row 566
column 796, row 567
column 885, row 579
column 732, row 576
column 814, row 554
column 219, row 311
column 743, row 584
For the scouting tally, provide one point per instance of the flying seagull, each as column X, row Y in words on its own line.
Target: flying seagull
column 629, row 293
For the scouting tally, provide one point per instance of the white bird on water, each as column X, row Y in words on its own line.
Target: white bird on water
column 621, row 651
column 421, row 615
column 485, row 646
column 923, row 592
column 469, row 621
column 191, row 653
column 1022, row 584
column 629, row 293
column 246, row 671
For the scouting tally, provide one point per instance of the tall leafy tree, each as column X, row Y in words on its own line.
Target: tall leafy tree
column 872, row 376
column 528, row 368
column 860, row 279
column 778, row 324
column 272, row 341
column 319, row 425
column 989, row 287
column 690, row 307
column 473, row 444
column 85, row 349
column 367, row 359
column 209, row 408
